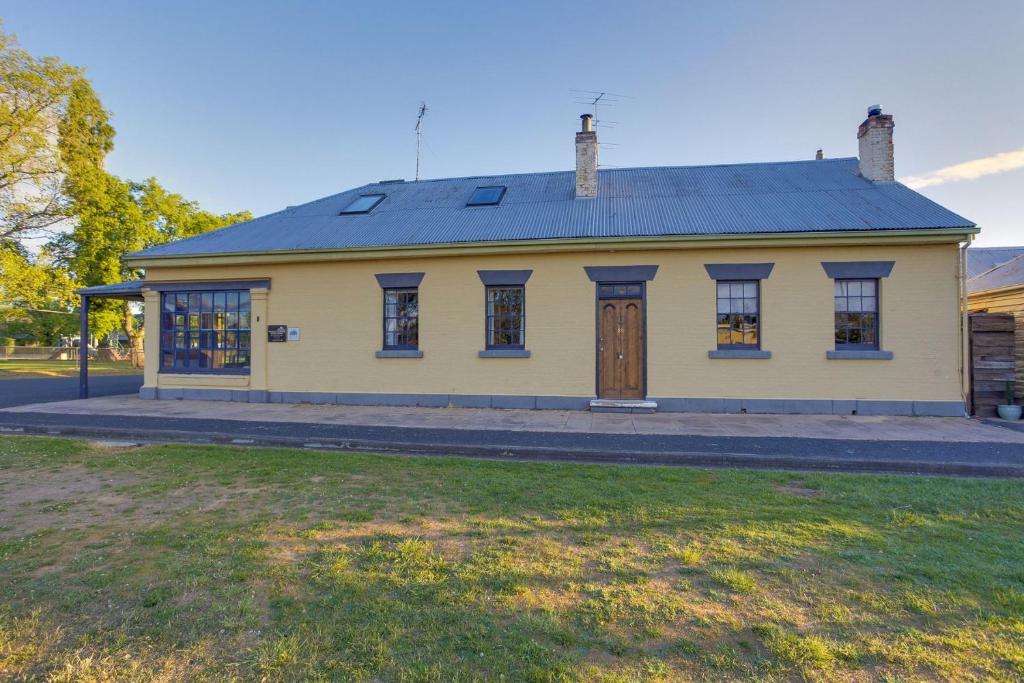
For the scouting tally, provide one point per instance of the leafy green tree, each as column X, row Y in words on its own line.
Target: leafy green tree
column 114, row 217
column 36, row 299
column 34, row 96
column 54, row 138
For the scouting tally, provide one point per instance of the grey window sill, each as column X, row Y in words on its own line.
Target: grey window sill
column 739, row 353
column 201, row 371
column 504, row 353
column 858, row 355
column 400, row 353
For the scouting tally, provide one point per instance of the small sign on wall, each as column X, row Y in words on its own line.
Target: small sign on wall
column 293, row 334
column 277, row 333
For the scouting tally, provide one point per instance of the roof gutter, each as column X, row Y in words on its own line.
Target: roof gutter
column 795, row 239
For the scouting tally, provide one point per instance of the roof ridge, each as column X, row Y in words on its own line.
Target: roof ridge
column 603, row 170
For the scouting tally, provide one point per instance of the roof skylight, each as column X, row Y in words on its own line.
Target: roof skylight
column 487, row 196
column 364, row 203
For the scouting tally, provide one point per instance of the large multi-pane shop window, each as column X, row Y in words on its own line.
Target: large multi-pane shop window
column 205, row 332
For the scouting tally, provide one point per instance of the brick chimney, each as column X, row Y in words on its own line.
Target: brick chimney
column 586, row 158
column 875, row 138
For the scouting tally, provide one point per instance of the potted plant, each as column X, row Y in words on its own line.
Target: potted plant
column 1009, row 411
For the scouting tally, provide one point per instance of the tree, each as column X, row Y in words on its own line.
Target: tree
column 34, row 95
column 36, row 298
column 114, row 217
column 54, row 138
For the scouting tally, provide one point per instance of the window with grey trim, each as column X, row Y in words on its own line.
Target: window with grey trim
column 738, row 314
column 205, row 331
column 856, row 306
column 506, row 317
column 401, row 318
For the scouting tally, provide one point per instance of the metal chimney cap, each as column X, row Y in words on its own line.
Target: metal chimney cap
column 586, row 116
column 874, row 110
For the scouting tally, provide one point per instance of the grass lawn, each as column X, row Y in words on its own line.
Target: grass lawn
column 213, row 563
column 25, row 369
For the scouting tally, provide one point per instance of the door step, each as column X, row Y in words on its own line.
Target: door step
column 607, row 405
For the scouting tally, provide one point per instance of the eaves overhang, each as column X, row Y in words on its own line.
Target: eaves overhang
column 738, row 240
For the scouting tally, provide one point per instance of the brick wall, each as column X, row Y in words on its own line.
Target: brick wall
column 875, row 148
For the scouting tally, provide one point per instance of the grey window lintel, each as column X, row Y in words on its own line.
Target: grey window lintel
column 739, row 271
column 399, row 280
column 857, row 269
column 858, row 354
column 494, row 278
column 504, row 353
column 739, row 353
column 620, row 273
column 400, row 353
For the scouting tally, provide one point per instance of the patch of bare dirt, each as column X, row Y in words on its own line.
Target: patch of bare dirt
column 797, row 489
column 36, row 499
column 72, row 496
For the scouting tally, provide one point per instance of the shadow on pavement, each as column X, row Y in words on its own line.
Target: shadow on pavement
column 19, row 392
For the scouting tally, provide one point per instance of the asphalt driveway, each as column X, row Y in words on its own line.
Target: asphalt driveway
column 19, row 392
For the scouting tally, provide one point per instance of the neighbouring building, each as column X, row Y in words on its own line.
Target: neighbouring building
column 995, row 279
column 818, row 286
column 995, row 285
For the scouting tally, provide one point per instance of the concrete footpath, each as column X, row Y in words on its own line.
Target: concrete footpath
column 956, row 446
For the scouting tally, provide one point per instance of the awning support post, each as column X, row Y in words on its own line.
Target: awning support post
column 83, row 349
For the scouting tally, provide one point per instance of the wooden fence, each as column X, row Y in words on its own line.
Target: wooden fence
column 993, row 353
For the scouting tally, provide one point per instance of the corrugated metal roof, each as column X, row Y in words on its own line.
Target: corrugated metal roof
column 981, row 259
column 798, row 196
column 1008, row 274
column 129, row 288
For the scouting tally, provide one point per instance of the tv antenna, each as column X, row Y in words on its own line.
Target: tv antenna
column 598, row 98
column 419, row 134
column 595, row 99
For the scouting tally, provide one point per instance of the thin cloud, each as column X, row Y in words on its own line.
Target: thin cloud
column 969, row 170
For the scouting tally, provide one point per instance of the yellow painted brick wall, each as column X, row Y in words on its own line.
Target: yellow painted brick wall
column 337, row 306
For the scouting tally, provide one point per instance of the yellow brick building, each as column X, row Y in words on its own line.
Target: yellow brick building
column 816, row 286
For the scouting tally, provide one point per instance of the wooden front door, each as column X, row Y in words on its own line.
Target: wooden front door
column 620, row 349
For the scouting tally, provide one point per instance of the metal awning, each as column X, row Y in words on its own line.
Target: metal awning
column 130, row 290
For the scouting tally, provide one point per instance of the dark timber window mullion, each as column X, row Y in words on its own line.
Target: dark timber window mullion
column 401, row 319
column 856, row 313
column 506, row 317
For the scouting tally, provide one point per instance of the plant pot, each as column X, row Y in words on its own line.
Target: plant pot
column 1009, row 412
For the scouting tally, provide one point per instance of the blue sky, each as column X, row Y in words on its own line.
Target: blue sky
column 259, row 105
